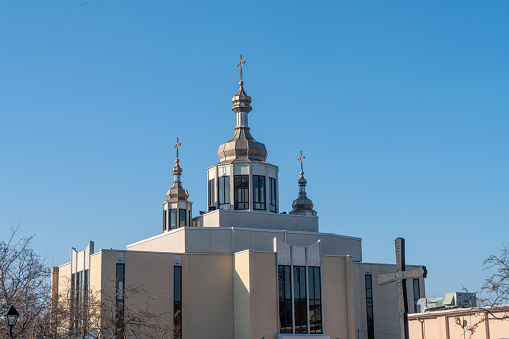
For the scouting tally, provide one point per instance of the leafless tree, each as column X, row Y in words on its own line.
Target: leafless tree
column 100, row 315
column 493, row 299
column 24, row 283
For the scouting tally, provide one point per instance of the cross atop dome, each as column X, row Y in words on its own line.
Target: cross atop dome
column 239, row 65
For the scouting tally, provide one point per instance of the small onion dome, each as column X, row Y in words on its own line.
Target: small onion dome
column 177, row 192
column 302, row 205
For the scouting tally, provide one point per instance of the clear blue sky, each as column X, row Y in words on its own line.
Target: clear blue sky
column 400, row 107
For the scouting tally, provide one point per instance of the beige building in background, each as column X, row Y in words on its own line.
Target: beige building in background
column 242, row 269
column 461, row 323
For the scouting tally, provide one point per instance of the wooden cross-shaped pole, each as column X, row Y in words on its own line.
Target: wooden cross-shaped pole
column 177, row 145
column 400, row 276
column 300, row 159
column 240, row 64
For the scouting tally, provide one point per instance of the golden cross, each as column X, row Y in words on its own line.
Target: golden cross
column 240, row 64
column 177, row 145
column 300, row 159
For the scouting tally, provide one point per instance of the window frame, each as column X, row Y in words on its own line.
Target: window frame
column 259, row 192
column 241, row 190
column 223, row 188
column 272, row 195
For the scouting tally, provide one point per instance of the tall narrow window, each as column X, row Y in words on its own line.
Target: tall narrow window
column 285, row 299
column 417, row 294
column 177, row 302
column 258, row 192
column 73, row 300
column 182, row 217
column 173, row 219
column 223, row 192
column 299, row 301
column 85, row 285
column 241, row 192
column 212, row 195
column 119, row 293
column 369, row 307
column 164, row 220
column 272, row 202
column 315, row 300
column 79, row 287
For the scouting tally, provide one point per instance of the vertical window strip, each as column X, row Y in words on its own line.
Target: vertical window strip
column 417, row 293
column 177, row 302
column 164, row 220
column 120, row 292
column 272, row 202
column 241, row 187
column 182, row 217
column 285, row 299
column 212, row 196
column 369, row 307
column 73, row 300
column 300, row 299
column 173, row 218
column 258, row 192
column 315, row 300
column 223, row 191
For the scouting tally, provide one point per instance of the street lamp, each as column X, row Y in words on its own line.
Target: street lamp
column 11, row 318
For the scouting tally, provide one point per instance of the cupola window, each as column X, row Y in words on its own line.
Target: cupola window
column 212, row 196
column 223, row 191
column 272, row 197
column 259, row 192
column 241, row 192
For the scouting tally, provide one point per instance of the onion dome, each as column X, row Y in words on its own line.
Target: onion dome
column 242, row 146
column 302, row 205
column 177, row 192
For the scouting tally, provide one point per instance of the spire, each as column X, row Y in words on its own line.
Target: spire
column 242, row 146
column 302, row 205
column 177, row 192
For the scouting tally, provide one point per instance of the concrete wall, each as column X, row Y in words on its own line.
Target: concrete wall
column 232, row 240
column 242, row 290
column 335, row 297
column 264, row 295
column 207, row 305
column 273, row 221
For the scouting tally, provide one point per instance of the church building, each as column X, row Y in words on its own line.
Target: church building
column 242, row 269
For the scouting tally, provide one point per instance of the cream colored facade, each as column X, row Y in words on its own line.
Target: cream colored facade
column 243, row 263
column 234, row 294
column 461, row 323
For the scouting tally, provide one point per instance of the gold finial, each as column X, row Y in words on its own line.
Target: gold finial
column 300, row 159
column 239, row 65
column 177, row 145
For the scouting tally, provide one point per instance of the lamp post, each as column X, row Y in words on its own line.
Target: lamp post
column 11, row 318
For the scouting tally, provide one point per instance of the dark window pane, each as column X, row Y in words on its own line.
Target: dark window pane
column 120, row 286
column 258, row 192
column 299, row 290
column 369, row 307
column 212, row 196
column 417, row 293
column 223, row 192
column 285, row 299
column 177, row 302
column 173, row 219
column 182, row 217
column 241, row 192
column 272, row 194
